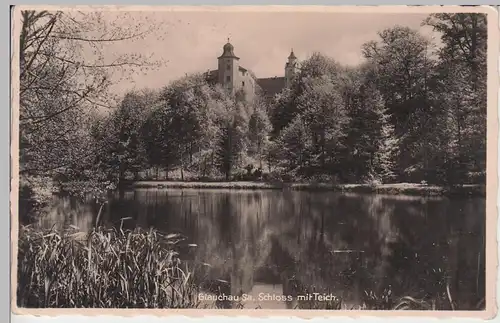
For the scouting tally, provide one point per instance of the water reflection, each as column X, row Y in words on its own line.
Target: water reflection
column 292, row 243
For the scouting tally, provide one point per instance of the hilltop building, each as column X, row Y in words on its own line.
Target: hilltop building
column 234, row 77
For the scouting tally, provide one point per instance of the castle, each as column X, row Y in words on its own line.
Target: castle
column 234, row 77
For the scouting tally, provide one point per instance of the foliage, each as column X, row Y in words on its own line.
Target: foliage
column 403, row 68
column 461, row 94
column 293, row 146
column 125, row 149
column 370, row 136
column 259, row 127
column 341, row 127
column 62, row 89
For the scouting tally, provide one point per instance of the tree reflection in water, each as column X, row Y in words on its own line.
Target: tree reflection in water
column 356, row 247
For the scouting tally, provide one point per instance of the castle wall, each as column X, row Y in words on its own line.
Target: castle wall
column 247, row 83
column 290, row 70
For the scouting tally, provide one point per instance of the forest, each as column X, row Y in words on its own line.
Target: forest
column 414, row 111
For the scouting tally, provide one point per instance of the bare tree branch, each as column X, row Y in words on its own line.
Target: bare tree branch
column 35, row 53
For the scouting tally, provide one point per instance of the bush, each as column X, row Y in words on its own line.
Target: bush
column 239, row 175
column 324, row 178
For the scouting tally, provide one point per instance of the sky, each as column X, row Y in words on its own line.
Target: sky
column 190, row 42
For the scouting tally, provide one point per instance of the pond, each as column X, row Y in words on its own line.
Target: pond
column 275, row 247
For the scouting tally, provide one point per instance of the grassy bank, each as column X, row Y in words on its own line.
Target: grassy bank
column 103, row 269
column 390, row 189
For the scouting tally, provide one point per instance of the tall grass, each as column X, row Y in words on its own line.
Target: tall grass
column 106, row 268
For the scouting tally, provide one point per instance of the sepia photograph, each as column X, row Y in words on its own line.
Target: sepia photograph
column 258, row 158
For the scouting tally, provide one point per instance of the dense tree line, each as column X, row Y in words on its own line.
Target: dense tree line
column 190, row 126
column 410, row 112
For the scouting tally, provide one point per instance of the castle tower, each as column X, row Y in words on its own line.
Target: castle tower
column 228, row 68
column 290, row 69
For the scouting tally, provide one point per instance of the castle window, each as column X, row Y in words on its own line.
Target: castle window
column 228, row 67
column 243, row 83
column 228, row 78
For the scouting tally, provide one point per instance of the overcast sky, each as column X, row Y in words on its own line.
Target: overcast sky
column 191, row 41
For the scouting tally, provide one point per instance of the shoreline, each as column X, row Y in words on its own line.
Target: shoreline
column 388, row 189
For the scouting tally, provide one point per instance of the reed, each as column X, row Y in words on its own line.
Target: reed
column 105, row 268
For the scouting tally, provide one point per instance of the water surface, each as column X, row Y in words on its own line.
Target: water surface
column 269, row 243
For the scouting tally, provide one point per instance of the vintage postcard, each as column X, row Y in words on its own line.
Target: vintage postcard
column 300, row 161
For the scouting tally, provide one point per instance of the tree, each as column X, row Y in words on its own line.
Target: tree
column 403, row 70
column 61, row 86
column 369, row 152
column 386, row 144
column 259, row 129
column 234, row 127
column 156, row 134
column 193, row 116
column 285, row 105
column 323, row 110
column 282, row 111
column 128, row 140
column 294, row 145
column 461, row 93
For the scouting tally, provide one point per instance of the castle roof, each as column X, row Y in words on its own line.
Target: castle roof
column 292, row 55
column 212, row 74
column 271, row 85
column 228, row 51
